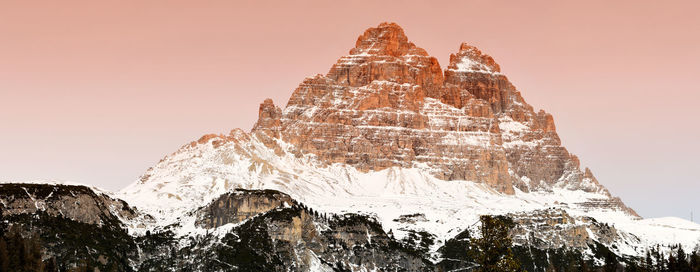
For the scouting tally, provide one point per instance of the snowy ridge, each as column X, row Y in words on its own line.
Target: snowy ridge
column 197, row 173
column 60, row 182
column 468, row 65
column 469, row 59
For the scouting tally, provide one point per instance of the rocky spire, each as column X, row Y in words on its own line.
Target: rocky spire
column 268, row 119
column 470, row 59
column 386, row 39
column 383, row 53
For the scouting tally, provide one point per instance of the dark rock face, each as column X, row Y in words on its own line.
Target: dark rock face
column 284, row 236
column 239, row 206
column 306, row 242
column 74, row 224
column 77, row 203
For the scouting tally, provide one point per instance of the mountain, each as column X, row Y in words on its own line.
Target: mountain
column 386, row 132
column 75, row 223
column 385, row 161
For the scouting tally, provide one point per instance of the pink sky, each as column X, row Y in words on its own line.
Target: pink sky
column 98, row 91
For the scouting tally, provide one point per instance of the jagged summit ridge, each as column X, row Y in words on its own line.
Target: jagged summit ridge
column 385, row 39
column 385, row 54
column 470, row 59
column 388, row 103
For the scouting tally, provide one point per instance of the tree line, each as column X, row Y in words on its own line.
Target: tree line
column 493, row 252
column 24, row 253
column 20, row 253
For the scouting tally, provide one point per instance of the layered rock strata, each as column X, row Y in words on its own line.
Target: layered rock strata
column 388, row 103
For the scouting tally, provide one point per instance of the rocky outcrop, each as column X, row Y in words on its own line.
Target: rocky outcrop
column 239, row 206
column 74, row 225
column 276, row 233
column 614, row 203
column 269, row 119
column 78, row 203
column 555, row 228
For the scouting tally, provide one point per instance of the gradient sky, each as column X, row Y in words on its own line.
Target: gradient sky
column 98, row 91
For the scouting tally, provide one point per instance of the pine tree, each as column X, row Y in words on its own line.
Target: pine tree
column 648, row 264
column 583, row 265
column 695, row 261
column 21, row 257
column 34, row 262
column 550, row 268
column 4, row 257
column 51, row 265
column 683, row 265
column 494, row 246
column 633, row 267
column 660, row 262
column 611, row 262
column 113, row 267
column 672, row 263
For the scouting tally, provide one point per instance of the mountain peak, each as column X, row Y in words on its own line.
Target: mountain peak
column 386, row 39
column 268, row 118
column 471, row 59
column 383, row 53
column 388, row 104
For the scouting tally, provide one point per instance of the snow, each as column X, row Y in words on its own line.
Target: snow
column 465, row 138
column 508, row 126
column 195, row 175
column 665, row 231
column 315, row 264
column 58, row 182
column 467, row 64
column 512, row 130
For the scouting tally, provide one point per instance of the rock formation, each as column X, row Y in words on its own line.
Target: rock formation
column 239, row 206
column 388, row 103
column 77, row 203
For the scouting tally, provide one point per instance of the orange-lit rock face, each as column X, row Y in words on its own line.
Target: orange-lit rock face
column 269, row 119
column 388, row 103
column 385, row 54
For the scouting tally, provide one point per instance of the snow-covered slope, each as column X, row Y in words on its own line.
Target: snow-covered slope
column 201, row 171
